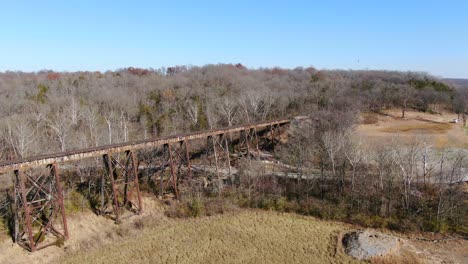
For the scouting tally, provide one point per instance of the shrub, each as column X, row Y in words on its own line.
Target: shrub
column 3, row 226
column 184, row 209
column 281, row 204
column 139, row 224
column 60, row 241
column 177, row 210
column 75, row 202
column 39, row 237
column 218, row 206
column 266, row 203
column 404, row 224
column 196, row 208
column 374, row 221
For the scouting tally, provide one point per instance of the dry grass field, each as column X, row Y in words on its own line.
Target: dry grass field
column 243, row 237
column 435, row 127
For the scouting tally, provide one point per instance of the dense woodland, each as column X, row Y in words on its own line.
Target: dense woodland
column 47, row 112
column 388, row 184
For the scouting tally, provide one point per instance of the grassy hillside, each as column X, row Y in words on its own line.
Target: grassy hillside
column 245, row 237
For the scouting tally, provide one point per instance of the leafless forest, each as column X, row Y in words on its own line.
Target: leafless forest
column 398, row 184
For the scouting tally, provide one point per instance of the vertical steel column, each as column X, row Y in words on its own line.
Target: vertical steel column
column 54, row 168
column 272, row 133
column 246, row 135
column 228, row 154
column 254, row 131
column 20, row 176
column 278, row 132
column 16, row 209
column 212, row 145
column 215, row 153
column 107, row 157
column 126, row 177
column 187, row 156
column 137, row 184
column 103, row 189
column 161, row 178
column 173, row 175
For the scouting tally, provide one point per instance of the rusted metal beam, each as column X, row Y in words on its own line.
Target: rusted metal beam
column 137, row 184
column 173, row 174
column 39, row 209
column 125, row 192
column 27, row 213
column 187, row 156
column 44, row 160
column 110, row 170
column 55, row 172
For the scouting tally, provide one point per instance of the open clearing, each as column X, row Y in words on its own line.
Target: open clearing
column 243, row 236
column 436, row 127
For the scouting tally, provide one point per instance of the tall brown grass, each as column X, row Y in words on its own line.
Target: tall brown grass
column 242, row 237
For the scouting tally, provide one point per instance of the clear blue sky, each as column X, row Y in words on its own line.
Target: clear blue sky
column 429, row 36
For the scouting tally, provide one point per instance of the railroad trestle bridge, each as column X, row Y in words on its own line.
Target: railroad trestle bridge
column 40, row 218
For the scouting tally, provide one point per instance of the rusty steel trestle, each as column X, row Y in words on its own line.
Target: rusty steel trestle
column 248, row 143
column 218, row 149
column 122, row 173
column 40, row 219
column 175, row 156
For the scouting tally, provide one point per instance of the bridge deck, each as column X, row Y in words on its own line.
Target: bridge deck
column 44, row 160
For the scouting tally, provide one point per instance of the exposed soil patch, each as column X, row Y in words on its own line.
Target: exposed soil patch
column 434, row 127
column 425, row 127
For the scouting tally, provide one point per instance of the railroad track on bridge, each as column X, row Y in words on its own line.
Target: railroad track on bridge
column 40, row 218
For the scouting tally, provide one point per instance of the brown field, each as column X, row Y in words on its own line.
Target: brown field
column 423, row 128
column 241, row 236
column 435, row 127
column 244, row 237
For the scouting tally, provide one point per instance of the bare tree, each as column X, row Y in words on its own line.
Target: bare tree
column 109, row 117
column 192, row 112
column 124, row 124
column 91, row 117
column 406, row 157
column 20, row 134
column 451, row 171
column 355, row 154
column 61, row 125
column 405, row 95
column 332, row 144
column 228, row 109
column 74, row 111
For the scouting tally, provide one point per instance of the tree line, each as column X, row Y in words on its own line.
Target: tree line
column 49, row 111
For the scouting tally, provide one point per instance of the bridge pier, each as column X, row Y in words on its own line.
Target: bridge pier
column 124, row 186
column 40, row 211
column 218, row 147
column 175, row 156
column 248, row 140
